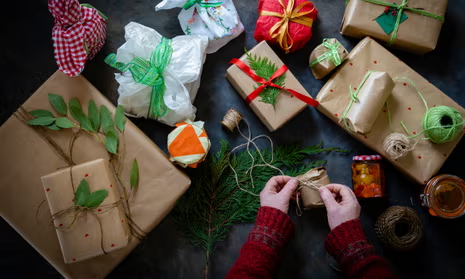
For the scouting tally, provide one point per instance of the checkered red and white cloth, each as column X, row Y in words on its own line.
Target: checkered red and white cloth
column 78, row 34
column 367, row 158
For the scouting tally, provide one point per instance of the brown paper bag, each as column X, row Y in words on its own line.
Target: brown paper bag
column 370, row 100
column 405, row 105
column 321, row 69
column 287, row 106
column 310, row 196
column 31, row 157
column 417, row 34
column 84, row 239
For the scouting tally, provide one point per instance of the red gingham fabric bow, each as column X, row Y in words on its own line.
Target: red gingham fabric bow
column 78, row 34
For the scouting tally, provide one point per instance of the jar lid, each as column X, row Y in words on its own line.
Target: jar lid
column 367, row 158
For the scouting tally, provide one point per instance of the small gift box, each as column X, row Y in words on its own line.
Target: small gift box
column 327, row 56
column 160, row 76
column 218, row 20
column 272, row 91
column 309, row 182
column 86, row 210
column 285, row 22
column 412, row 25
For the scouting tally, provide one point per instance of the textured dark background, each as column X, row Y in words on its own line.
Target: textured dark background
column 26, row 61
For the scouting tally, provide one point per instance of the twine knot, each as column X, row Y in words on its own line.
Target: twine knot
column 332, row 54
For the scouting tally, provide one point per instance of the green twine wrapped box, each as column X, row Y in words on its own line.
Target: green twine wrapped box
column 410, row 25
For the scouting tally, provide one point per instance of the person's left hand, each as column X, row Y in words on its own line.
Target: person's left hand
column 278, row 192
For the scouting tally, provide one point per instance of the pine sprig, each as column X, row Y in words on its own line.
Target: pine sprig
column 264, row 68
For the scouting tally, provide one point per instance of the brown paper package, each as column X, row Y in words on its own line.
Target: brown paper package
column 84, row 239
column 418, row 34
column 405, row 105
column 311, row 198
column 371, row 99
column 286, row 108
column 323, row 68
column 160, row 183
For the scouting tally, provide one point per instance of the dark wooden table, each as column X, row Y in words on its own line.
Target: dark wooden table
column 27, row 61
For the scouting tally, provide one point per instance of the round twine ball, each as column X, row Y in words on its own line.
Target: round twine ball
column 231, row 119
column 399, row 228
column 397, row 145
column 442, row 124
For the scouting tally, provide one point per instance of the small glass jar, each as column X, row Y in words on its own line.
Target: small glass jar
column 444, row 195
column 368, row 176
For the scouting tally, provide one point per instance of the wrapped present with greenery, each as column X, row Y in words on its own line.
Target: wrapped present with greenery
column 410, row 25
column 326, row 57
column 267, row 85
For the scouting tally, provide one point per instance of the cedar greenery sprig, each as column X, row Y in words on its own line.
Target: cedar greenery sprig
column 264, row 68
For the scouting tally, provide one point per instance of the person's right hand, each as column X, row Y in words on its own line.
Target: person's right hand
column 341, row 204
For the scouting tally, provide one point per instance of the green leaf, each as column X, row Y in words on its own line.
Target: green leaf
column 58, row 103
column 64, row 122
column 41, row 113
column 120, row 118
column 82, row 193
column 134, row 174
column 77, row 113
column 42, row 121
column 54, row 127
column 106, row 119
column 94, row 116
column 111, row 141
column 95, row 198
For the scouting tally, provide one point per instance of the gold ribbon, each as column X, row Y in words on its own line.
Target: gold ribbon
column 281, row 29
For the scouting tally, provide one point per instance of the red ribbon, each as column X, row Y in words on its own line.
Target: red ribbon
column 246, row 69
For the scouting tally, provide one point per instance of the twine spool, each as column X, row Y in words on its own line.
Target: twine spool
column 397, row 145
column 399, row 228
column 231, row 119
column 442, row 124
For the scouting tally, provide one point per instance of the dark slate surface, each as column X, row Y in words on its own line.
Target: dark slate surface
column 26, row 57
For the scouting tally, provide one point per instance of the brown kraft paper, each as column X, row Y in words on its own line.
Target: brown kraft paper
column 370, row 100
column 405, row 105
column 84, row 238
column 323, row 68
column 311, row 197
column 287, row 106
column 30, row 158
column 417, row 34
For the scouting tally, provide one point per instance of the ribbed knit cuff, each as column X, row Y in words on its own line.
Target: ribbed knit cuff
column 273, row 228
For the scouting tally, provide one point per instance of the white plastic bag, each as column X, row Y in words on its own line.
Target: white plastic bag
column 181, row 75
column 218, row 20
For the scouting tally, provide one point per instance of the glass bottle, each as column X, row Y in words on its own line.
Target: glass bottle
column 368, row 176
column 444, row 195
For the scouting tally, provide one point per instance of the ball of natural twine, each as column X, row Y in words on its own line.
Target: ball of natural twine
column 442, row 124
column 231, row 119
column 399, row 228
column 397, row 145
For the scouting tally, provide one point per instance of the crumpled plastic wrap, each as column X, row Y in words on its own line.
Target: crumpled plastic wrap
column 181, row 76
column 218, row 20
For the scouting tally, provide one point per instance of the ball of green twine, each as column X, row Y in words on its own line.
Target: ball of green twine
column 442, row 124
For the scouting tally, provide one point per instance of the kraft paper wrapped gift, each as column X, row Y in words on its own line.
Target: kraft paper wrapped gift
column 82, row 238
column 405, row 105
column 311, row 197
column 160, row 183
column 326, row 57
column 417, row 33
column 287, row 106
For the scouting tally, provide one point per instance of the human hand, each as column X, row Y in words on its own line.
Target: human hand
column 341, row 204
column 278, row 192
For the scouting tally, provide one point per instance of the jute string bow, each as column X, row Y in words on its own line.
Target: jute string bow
column 281, row 29
column 332, row 54
column 202, row 4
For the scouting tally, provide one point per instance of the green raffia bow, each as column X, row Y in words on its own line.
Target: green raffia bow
column 191, row 3
column 332, row 54
column 149, row 73
column 400, row 9
column 354, row 98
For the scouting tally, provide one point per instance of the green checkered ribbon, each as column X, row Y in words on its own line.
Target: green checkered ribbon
column 332, row 54
column 149, row 73
column 202, row 4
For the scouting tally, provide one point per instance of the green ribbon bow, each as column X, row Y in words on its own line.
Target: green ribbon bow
column 191, row 3
column 332, row 54
column 149, row 73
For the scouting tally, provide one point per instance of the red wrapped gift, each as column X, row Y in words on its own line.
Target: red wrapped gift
column 285, row 22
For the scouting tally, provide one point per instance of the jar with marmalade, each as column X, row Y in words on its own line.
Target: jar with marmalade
column 368, row 176
column 444, row 195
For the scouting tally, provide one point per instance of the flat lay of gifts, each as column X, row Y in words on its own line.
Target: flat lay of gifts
column 105, row 185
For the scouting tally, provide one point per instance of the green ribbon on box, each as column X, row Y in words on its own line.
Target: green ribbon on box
column 332, row 54
column 149, row 73
column 191, row 3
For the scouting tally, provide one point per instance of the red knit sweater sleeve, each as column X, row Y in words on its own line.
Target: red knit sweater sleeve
column 259, row 257
column 356, row 256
